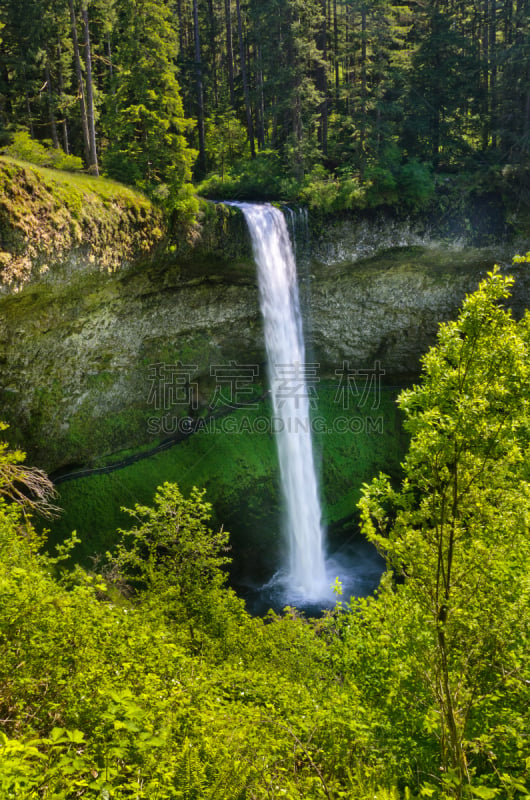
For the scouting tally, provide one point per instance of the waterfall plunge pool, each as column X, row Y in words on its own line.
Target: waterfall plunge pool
column 355, row 564
column 308, row 578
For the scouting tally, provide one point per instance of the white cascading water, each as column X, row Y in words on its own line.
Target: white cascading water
column 278, row 289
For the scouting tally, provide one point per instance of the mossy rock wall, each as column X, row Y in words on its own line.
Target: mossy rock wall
column 111, row 295
column 235, row 459
column 79, row 335
column 55, row 224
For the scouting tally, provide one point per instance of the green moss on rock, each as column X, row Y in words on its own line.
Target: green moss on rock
column 46, row 215
column 235, row 459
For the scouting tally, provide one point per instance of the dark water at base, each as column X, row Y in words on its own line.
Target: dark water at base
column 357, row 565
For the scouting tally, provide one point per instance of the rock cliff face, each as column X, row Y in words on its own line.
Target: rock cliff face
column 387, row 308
column 88, row 355
column 78, row 346
column 379, row 288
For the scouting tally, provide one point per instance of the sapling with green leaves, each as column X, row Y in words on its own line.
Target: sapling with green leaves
column 172, row 552
column 456, row 533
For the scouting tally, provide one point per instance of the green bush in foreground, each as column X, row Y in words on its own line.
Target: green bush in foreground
column 457, row 534
column 102, row 695
column 154, row 682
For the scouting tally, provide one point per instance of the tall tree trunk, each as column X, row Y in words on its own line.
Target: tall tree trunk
column 261, row 101
column 454, row 752
column 436, row 104
column 66, row 143
column 79, row 74
column 364, row 87
column 485, row 78
column 523, row 14
column 295, row 110
column 213, row 53
column 522, row 110
column 493, row 70
column 246, row 93
column 181, row 27
column 526, row 118
column 111, row 66
column 51, row 109
column 508, row 21
column 322, row 81
column 5, row 100
column 200, row 89
column 29, row 117
column 336, row 50
column 230, row 52
column 348, row 78
column 91, row 123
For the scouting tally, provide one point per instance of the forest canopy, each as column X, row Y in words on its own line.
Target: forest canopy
column 335, row 103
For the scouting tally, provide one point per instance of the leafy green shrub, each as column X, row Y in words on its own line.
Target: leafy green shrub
column 104, row 697
column 382, row 187
column 179, row 202
column 172, row 541
column 351, row 193
column 247, row 180
column 321, row 194
column 217, row 187
column 391, row 182
column 42, row 154
column 396, row 181
column 226, row 142
column 122, row 167
column 326, row 194
column 66, row 161
column 172, row 553
column 457, row 534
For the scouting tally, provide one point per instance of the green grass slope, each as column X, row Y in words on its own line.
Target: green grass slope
column 47, row 214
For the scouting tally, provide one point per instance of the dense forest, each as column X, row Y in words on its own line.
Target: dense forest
column 340, row 104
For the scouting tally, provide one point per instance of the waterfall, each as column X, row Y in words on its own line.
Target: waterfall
column 305, row 576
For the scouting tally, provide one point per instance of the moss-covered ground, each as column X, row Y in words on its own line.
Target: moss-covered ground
column 45, row 214
column 234, row 458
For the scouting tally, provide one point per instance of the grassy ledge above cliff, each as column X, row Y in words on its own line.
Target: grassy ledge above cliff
column 46, row 215
column 50, row 218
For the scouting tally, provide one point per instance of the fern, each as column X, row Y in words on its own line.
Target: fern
column 190, row 781
column 231, row 783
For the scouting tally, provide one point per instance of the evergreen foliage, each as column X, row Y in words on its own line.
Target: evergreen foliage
column 271, row 93
column 145, row 122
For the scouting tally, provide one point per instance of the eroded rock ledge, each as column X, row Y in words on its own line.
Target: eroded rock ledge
column 80, row 340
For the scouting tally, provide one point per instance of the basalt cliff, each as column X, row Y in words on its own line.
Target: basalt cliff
column 98, row 301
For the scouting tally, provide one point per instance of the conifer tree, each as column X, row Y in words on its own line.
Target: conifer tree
column 145, row 122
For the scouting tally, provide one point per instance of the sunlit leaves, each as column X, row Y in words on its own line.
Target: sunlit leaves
column 458, row 529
